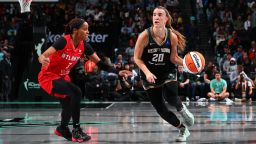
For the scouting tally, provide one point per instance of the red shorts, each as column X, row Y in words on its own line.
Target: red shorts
column 45, row 80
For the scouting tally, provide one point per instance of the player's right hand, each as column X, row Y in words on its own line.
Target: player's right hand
column 44, row 61
column 151, row 78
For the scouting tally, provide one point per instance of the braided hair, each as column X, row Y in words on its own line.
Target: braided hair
column 75, row 23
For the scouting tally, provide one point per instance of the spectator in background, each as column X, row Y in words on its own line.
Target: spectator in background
column 218, row 89
column 11, row 32
column 1, row 53
column 234, row 75
column 248, row 23
column 126, row 86
column 6, row 76
column 80, row 8
column 222, row 53
column 220, row 34
column 208, row 76
column 252, row 54
column 253, row 8
column 252, row 51
column 195, row 82
column 130, row 50
column 210, row 12
column 238, row 55
column 226, row 64
column 138, row 92
column 120, row 60
column 243, row 89
column 119, row 66
column 228, row 15
column 6, row 46
column 238, row 24
column 183, row 80
column 234, row 42
column 232, row 66
column 200, row 10
column 126, row 30
column 246, row 62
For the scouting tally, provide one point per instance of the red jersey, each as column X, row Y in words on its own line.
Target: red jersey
column 60, row 65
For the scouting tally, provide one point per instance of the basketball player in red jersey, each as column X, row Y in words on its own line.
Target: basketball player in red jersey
column 156, row 55
column 57, row 62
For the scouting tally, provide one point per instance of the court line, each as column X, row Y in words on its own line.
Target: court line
column 110, row 106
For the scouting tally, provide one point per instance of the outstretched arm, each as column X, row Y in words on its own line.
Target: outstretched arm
column 95, row 58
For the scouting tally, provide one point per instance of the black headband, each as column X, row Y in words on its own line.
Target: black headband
column 78, row 24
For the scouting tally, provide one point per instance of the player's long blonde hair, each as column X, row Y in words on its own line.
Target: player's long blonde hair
column 181, row 38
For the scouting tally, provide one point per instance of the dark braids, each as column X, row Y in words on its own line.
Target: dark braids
column 75, row 23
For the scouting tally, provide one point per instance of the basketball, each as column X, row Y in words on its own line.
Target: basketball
column 194, row 62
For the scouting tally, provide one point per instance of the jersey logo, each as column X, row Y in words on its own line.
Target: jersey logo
column 68, row 50
column 168, row 43
column 150, row 62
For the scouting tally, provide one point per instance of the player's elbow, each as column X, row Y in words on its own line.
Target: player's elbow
column 136, row 60
column 173, row 59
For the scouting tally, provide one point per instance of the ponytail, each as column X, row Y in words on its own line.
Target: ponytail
column 181, row 39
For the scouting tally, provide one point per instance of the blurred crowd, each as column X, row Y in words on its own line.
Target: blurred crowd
column 232, row 26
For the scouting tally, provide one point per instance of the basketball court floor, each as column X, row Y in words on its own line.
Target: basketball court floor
column 128, row 123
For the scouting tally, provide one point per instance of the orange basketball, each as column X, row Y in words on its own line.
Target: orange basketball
column 194, row 62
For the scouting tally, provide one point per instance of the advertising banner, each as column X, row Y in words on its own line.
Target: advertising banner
column 103, row 39
column 30, row 89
